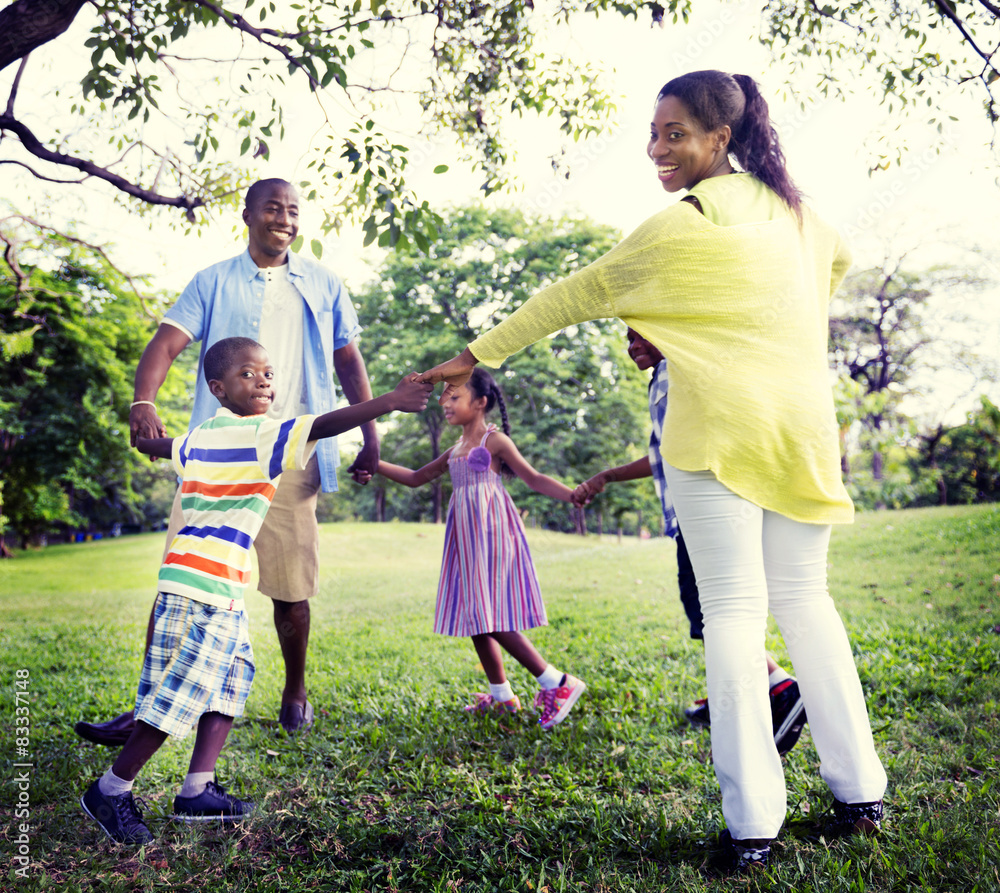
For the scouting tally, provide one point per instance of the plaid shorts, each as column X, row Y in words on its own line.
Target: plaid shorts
column 200, row 661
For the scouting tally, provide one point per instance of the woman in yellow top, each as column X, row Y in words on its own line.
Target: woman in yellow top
column 732, row 284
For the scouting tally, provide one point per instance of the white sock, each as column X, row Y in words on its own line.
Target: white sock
column 501, row 691
column 112, row 786
column 549, row 678
column 776, row 676
column 195, row 783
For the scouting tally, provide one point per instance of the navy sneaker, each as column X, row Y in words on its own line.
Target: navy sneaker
column 119, row 817
column 743, row 858
column 788, row 714
column 857, row 818
column 212, row 805
column 698, row 714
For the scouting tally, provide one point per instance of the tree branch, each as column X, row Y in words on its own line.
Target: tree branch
column 33, row 145
column 950, row 14
column 39, row 176
column 97, row 249
column 991, row 7
column 16, row 84
column 27, row 24
column 827, row 15
column 259, row 34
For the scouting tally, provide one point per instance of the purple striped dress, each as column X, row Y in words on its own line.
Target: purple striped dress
column 488, row 583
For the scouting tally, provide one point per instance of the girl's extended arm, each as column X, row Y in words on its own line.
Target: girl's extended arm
column 503, row 447
column 410, row 478
column 592, row 486
column 157, row 447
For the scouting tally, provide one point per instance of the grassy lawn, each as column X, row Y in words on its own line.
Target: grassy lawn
column 396, row 790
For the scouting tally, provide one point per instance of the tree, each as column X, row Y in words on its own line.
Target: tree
column 965, row 459
column 876, row 334
column 210, row 72
column 177, row 91
column 889, row 337
column 910, row 53
column 576, row 401
column 71, row 332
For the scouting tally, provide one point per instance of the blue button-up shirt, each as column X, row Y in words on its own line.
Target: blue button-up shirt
column 226, row 299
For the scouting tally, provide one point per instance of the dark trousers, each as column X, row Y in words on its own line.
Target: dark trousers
column 689, row 588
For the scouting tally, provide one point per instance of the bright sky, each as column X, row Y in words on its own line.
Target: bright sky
column 938, row 205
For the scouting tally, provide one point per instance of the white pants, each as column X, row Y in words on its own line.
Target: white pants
column 747, row 561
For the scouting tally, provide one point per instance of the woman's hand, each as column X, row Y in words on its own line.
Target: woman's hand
column 454, row 372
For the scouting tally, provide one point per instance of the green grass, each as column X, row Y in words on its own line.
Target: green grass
column 396, row 790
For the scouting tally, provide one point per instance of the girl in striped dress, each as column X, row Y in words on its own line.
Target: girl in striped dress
column 488, row 588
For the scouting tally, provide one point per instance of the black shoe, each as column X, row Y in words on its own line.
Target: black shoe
column 742, row 858
column 788, row 714
column 295, row 718
column 698, row 714
column 113, row 733
column 857, row 818
column 119, row 817
column 211, row 805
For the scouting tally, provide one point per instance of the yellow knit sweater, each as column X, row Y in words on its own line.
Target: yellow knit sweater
column 736, row 298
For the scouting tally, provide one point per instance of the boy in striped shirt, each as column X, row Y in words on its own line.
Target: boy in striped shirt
column 200, row 666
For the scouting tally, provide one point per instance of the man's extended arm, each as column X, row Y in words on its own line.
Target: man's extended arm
column 150, row 374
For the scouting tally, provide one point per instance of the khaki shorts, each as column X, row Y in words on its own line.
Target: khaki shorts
column 288, row 543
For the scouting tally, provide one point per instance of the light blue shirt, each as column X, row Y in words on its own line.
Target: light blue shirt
column 226, row 299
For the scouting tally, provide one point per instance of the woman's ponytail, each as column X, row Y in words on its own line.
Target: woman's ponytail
column 756, row 147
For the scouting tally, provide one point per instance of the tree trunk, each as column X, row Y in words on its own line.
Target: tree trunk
column 26, row 25
column 380, row 504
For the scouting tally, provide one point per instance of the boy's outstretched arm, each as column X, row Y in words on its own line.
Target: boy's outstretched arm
column 409, row 395
column 157, row 447
column 592, row 486
column 409, row 477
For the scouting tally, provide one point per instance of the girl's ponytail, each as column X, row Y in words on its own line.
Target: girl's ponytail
column 482, row 384
column 717, row 99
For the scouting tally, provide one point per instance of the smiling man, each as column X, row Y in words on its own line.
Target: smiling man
column 302, row 315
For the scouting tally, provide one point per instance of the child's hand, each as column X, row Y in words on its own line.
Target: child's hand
column 589, row 489
column 362, row 477
column 411, row 395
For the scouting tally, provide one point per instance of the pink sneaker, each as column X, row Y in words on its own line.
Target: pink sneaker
column 484, row 703
column 555, row 703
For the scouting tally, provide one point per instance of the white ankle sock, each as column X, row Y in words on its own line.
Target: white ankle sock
column 777, row 675
column 195, row 783
column 112, row 786
column 502, row 691
column 550, row 677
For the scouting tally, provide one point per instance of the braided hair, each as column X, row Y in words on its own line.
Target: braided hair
column 482, row 384
column 717, row 99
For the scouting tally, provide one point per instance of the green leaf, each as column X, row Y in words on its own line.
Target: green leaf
column 317, row 248
column 441, row 168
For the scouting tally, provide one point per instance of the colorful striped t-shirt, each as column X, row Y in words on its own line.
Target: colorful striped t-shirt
column 229, row 468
